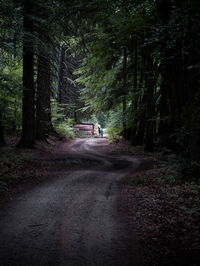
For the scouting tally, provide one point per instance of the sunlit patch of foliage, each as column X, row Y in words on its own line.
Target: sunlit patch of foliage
column 115, row 125
column 64, row 130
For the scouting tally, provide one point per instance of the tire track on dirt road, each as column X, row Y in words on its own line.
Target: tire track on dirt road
column 73, row 219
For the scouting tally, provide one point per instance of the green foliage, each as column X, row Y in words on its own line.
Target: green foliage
column 10, row 94
column 169, row 179
column 190, row 170
column 114, row 125
column 98, row 86
column 180, row 139
column 102, row 71
column 62, row 124
column 114, row 134
column 64, row 130
column 10, row 165
column 98, row 119
column 111, row 59
column 58, row 112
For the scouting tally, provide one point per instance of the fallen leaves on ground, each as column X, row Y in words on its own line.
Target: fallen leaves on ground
column 164, row 217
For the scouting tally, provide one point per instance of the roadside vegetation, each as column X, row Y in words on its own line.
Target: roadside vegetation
column 11, row 165
column 16, row 169
column 166, row 207
column 162, row 205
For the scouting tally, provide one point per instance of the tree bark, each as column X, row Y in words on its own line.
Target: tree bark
column 173, row 84
column 28, row 109
column 43, row 108
column 61, row 74
column 149, row 82
column 164, row 131
column 139, row 139
column 124, row 89
column 134, row 102
column 194, row 127
column 192, row 85
column 2, row 139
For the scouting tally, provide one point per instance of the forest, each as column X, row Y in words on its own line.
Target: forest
column 131, row 67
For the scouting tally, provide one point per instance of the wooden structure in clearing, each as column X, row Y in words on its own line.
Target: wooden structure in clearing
column 84, row 129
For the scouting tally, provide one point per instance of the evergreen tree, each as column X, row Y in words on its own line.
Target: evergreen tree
column 2, row 140
column 28, row 112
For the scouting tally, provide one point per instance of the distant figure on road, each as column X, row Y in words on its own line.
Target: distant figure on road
column 99, row 131
column 102, row 133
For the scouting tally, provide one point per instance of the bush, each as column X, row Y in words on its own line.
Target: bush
column 179, row 142
column 65, row 130
column 12, row 165
column 113, row 134
column 190, row 170
column 114, row 126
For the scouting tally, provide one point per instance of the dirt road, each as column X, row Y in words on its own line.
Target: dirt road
column 74, row 218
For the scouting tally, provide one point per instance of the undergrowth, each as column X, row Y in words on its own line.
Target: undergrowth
column 11, row 165
column 168, row 199
column 65, row 129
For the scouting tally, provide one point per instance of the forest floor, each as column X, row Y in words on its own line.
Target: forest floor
column 161, row 213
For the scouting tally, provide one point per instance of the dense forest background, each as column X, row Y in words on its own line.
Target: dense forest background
column 129, row 65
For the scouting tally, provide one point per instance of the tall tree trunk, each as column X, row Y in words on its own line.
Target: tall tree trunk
column 194, row 124
column 149, row 136
column 14, row 124
column 43, row 109
column 164, row 130
column 2, row 139
column 171, row 101
column 175, row 90
column 61, row 74
column 164, row 11
column 192, row 84
column 28, row 110
column 124, row 89
column 135, row 102
column 173, row 75
column 139, row 139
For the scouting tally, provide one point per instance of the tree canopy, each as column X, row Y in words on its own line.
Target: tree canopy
column 132, row 65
